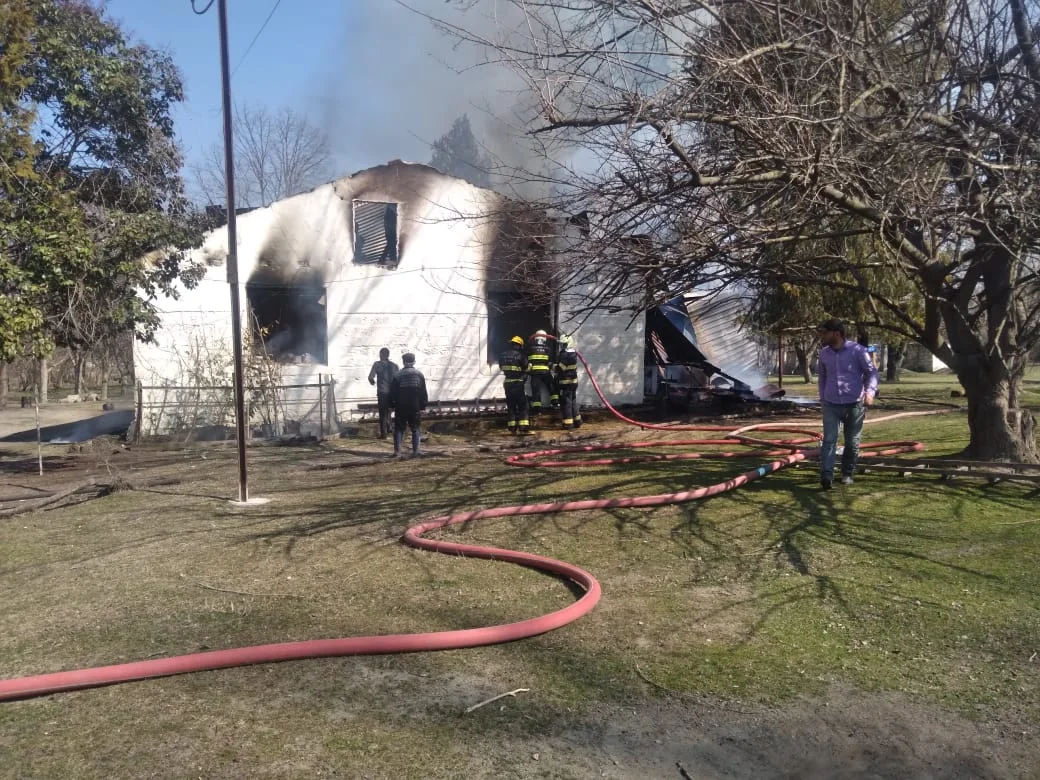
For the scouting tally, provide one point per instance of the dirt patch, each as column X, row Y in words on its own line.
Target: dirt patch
column 847, row 734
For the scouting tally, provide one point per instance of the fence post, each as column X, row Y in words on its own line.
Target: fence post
column 330, row 399
column 321, row 402
column 140, row 411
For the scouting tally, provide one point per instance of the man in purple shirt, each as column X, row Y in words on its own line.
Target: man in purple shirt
column 848, row 382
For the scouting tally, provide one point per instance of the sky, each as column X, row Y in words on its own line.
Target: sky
column 372, row 73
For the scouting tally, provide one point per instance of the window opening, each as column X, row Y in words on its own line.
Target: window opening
column 289, row 320
column 513, row 314
column 376, row 238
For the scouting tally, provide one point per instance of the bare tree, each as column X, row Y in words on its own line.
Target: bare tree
column 277, row 154
column 716, row 129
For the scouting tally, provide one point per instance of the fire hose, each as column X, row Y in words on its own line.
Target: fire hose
column 785, row 452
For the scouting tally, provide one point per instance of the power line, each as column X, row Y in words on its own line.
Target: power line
column 256, row 37
column 200, row 13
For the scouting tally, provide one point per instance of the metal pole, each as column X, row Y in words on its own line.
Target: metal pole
column 232, row 257
column 780, row 359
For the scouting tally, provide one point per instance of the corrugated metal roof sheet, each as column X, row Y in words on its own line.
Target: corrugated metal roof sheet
column 721, row 337
column 374, row 223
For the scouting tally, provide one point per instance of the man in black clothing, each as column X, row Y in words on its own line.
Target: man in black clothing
column 408, row 398
column 513, row 363
column 567, row 378
column 383, row 370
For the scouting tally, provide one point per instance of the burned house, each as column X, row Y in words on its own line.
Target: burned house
column 399, row 255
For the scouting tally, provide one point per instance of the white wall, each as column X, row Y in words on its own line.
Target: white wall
column 431, row 304
column 612, row 345
column 919, row 358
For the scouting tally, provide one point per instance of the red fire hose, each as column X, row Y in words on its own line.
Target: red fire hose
column 789, row 451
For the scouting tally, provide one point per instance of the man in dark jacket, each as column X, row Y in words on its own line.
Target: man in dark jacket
column 513, row 363
column 383, row 370
column 567, row 379
column 408, row 398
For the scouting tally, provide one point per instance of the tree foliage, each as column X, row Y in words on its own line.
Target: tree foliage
column 92, row 184
column 458, row 154
column 722, row 129
column 39, row 224
column 780, row 306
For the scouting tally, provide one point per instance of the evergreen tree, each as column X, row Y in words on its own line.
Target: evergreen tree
column 457, row 153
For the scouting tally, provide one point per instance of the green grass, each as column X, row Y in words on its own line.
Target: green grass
column 924, row 387
column 924, row 588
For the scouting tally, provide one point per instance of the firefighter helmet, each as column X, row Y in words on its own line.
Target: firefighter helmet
column 516, row 340
column 565, row 342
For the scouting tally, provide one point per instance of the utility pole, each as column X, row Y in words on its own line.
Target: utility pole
column 232, row 256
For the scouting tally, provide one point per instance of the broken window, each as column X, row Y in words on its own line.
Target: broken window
column 513, row 314
column 375, row 233
column 289, row 319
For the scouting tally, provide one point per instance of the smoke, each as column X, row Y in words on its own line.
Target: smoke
column 399, row 82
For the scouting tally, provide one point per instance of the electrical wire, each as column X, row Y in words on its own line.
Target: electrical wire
column 204, row 10
column 256, row 37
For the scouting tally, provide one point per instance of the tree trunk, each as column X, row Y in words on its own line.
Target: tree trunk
column 1000, row 431
column 77, row 373
column 104, row 378
column 896, row 353
column 802, row 355
column 42, row 381
column 5, row 385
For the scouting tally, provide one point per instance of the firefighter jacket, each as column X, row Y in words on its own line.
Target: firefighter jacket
column 538, row 353
column 513, row 363
column 567, row 368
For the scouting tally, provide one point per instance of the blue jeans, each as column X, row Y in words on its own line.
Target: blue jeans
column 850, row 416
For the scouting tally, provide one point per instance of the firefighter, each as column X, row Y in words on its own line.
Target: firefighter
column 513, row 363
column 567, row 377
column 539, row 358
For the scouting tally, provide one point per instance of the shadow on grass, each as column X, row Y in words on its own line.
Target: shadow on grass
column 784, row 517
column 811, row 523
column 51, row 463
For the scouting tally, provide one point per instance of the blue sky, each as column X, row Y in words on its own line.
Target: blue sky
column 262, row 78
column 370, row 72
